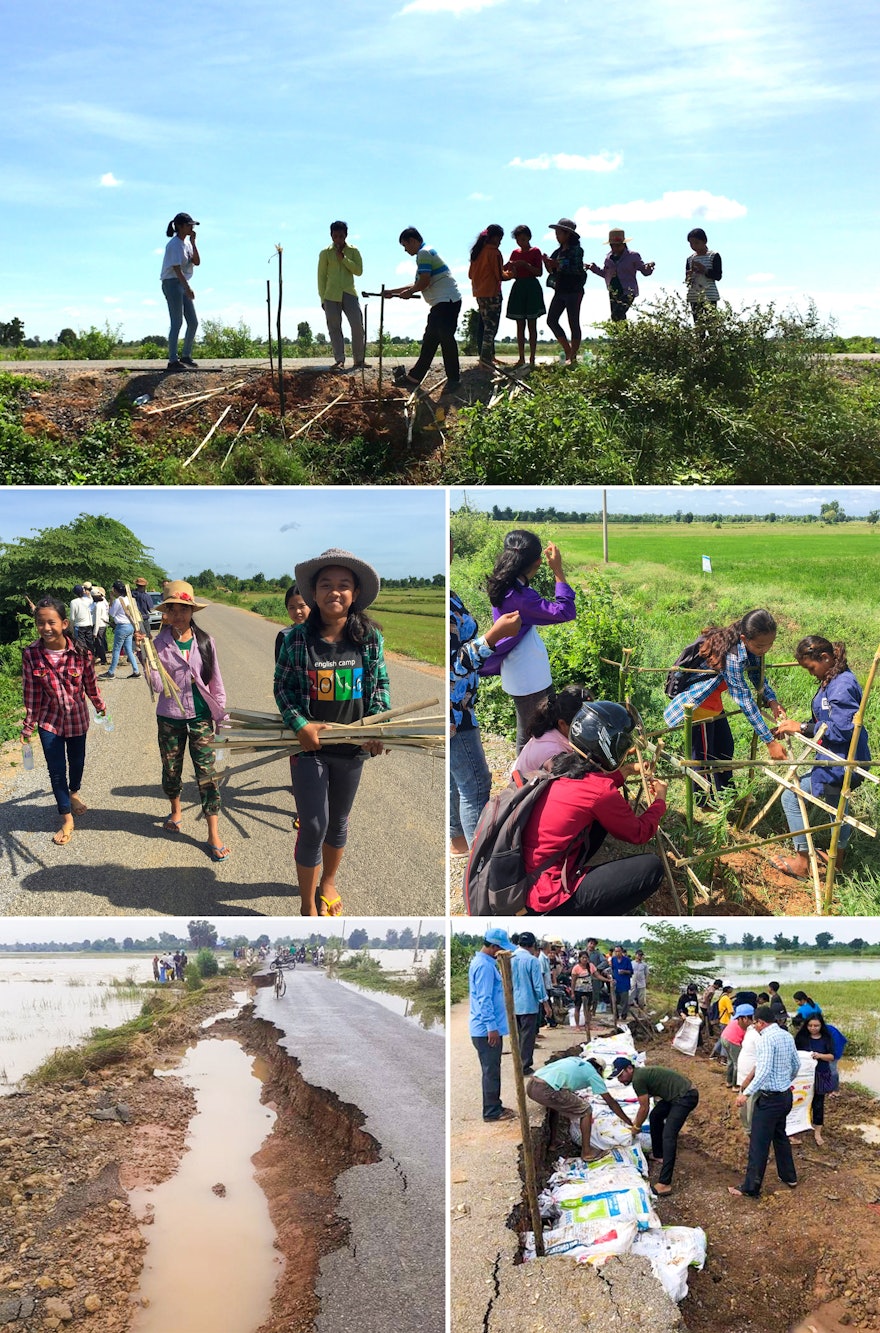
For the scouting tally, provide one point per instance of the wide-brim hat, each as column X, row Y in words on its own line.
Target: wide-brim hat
column 98, row 592
column 564, row 224
column 141, row 582
column 178, row 593
column 618, row 234
column 368, row 580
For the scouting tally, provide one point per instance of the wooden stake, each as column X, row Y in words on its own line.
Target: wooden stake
column 525, row 1128
column 238, row 434
column 858, row 726
column 324, row 410
column 269, row 314
column 280, row 347
column 195, row 453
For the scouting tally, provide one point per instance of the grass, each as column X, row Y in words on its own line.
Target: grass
column 425, row 990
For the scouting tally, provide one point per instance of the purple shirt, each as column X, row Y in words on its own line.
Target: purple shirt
column 625, row 269
column 184, row 673
column 534, row 610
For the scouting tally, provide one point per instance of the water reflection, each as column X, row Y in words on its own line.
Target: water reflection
column 399, row 1004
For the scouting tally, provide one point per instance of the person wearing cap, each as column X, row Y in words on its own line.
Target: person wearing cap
column 189, row 656
column 674, row 1099
column 571, row 818
column 100, row 621
column 436, row 284
column 123, row 631
column 81, row 618
column 745, row 1066
column 181, row 256
column 529, row 995
column 556, row 1087
column 487, row 1023
column 142, row 601
column 769, row 1087
column 567, row 279
column 331, row 669
column 338, row 266
column 619, row 271
column 732, row 1039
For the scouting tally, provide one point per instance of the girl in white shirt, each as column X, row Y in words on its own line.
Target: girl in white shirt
column 181, row 255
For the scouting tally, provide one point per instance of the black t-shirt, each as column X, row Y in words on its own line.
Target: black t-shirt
column 336, row 686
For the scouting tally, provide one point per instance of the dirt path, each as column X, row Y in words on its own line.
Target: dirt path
column 120, row 861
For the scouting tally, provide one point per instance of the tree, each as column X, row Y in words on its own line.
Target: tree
column 12, row 334
column 672, row 952
column 832, row 512
column 823, row 939
column 358, row 939
column 858, row 944
column 406, row 939
column 781, row 943
column 67, row 338
column 207, row 963
column 748, row 941
column 874, row 517
column 202, row 935
column 391, row 941
column 303, row 336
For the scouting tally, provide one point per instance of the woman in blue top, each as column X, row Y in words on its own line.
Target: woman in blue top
column 835, row 704
column 815, row 1037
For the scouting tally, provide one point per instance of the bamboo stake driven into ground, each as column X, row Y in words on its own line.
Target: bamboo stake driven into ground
column 858, row 726
column 525, row 1128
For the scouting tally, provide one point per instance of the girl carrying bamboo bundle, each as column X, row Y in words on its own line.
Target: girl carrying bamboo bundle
column 330, row 670
column 731, row 659
column 58, row 675
column 189, row 656
column 835, row 704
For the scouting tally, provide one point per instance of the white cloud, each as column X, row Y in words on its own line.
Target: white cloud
column 686, row 204
column 603, row 161
column 405, row 267
column 149, row 301
column 480, row 198
column 761, row 277
column 455, row 7
column 112, row 300
column 109, row 180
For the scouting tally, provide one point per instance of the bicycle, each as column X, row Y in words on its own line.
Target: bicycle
column 280, row 983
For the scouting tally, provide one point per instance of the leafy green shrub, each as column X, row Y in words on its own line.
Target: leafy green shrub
column 192, row 977
column 95, row 344
column 221, row 340
column 206, row 963
column 273, row 607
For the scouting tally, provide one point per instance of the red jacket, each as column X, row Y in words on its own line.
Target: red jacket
column 55, row 697
column 570, row 806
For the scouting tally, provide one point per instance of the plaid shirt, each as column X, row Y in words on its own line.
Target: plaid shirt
column 292, row 678
column 777, row 1064
column 55, row 696
column 467, row 650
column 740, row 666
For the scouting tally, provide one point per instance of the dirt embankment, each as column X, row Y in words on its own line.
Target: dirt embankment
column 812, row 1254
column 71, row 1251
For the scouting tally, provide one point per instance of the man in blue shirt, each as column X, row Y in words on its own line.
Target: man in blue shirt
column 488, row 1019
column 529, row 995
column 621, row 971
column 769, row 1085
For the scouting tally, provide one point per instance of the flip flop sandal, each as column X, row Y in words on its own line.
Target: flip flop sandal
column 171, row 826
column 329, row 904
column 779, row 863
column 62, row 837
column 218, row 853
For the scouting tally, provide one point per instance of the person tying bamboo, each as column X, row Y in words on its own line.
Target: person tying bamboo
column 331, row 669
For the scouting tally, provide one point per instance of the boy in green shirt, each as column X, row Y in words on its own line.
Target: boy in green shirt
column 674, row 1099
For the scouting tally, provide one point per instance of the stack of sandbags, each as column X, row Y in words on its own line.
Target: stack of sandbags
column 799, row 1117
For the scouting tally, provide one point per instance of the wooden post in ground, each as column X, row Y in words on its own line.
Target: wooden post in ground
column 621, row 678
column 381, row 339
column 689, row 797
column 280, row 348
column 858, row 726
column 269, row 315
column 667, row 869
column 525, row 1128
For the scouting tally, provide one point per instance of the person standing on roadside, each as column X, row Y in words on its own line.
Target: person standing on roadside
column 488, row 1019
column 529, row 995
column 486, row 274
column 702, row 273
column 567, row 279
column 732, row 1039
column 181, row 257
column 81, row 618
column 338, row 266
column 639, row 988
column 100, row 621
column 123, row 630
column 434, row 281
column 770, row 1089
column 622, row 972
column 619, row 271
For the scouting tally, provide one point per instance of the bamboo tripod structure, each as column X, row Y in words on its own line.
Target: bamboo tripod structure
column 525, row 1128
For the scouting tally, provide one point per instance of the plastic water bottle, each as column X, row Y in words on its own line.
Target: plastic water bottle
column 141, row 399
column 27, row 755
column 107, row 723
column 220, row 757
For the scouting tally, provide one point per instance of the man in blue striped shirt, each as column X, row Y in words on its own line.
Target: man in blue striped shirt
column 769, row 1085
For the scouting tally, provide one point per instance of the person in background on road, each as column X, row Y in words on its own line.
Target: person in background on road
column 639, row 989
column 58, row 675
column 725, row 1007
column 100, row 622
column 143, row 601
column 777, row 1004
column 436, row 284
column 81, row 618
column 548, row 729
column 155, row 967
column 181, row 256
column 572, row 817
column 674, row 1099
column 529, row 994
column 525, row 304
column 702, row 273
column 835, row 704
column 732, row 1039
column 338, row 266
column 488, row 1019
column 567, row 279
column 331, row 669
column 470, row 781
column 556, row 1086
column 485, row 273
column 123, row 631
column 600, row 973
column 734, row 654
column 770, row 1086
column 619, row 271
column 521, row 660
column 622, row 973
column 815, row 1038
column 708, row 1002
column 582, row 989
column 745, row 1065
column 189, row 655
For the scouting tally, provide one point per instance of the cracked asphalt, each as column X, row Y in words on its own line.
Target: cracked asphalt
column 120, row 861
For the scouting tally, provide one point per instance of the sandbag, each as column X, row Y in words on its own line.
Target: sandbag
column 626, row 1196
column 575, row 1168
column 585, row 1242
column 799, row 1117
column 671, row 1251
column 687, row 1036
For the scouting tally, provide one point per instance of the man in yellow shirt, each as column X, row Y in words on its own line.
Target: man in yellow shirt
column 338, row 266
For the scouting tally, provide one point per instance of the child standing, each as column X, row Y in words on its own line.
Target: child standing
column 525, row 304
column 702, row 270
column 567, row 277
column 485, row 273
column 58, row 676
column 189, row 655
column 619, row 271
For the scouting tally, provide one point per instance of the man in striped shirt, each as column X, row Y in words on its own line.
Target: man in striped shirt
column 769, row 1087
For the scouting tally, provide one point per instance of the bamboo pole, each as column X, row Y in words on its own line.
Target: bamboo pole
column 278, row 249
column 621, row 679
column 688, row 777
column 323, row 412
column 858, row 726
column 381, row 340
column 195, row 453
column 237, row 435
column 762, row 676
column 269, row 314
column 528, row 1147
column 712, row 855
column 778, row 792
column 812, row 742
column 690, row 874
column 667, row 869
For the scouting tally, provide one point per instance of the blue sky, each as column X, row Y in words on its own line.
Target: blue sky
column 244, row 531
column 854, row 500
column 757, row 121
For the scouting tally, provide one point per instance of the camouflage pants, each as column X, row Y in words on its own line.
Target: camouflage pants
column 173, row 733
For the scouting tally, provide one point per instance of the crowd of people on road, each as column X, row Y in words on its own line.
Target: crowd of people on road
column 329, row 669
column 566, row 270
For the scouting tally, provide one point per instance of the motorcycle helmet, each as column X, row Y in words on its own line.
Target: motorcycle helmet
column 603, row 731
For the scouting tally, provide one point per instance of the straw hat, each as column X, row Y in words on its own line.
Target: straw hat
column 368, row 580
column 178, row 593
column 140, row 582
column 618, row 234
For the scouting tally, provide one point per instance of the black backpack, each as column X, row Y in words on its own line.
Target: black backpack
column 678, row 681
column 496, row 882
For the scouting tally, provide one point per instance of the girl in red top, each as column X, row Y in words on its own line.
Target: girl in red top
column 570, row 822
column 58, row 675
column 526, row 301
column 485, row 274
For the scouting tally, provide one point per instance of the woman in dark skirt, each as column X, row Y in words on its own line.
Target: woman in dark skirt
column 525, row 304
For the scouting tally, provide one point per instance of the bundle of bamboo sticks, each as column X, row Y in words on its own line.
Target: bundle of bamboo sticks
column 151, row 657
column 253, row 730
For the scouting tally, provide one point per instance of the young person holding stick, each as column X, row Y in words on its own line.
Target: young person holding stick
column 330, row 670
column 58, row 675
column 434, row 281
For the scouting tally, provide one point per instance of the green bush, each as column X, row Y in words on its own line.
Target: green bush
column 192, row 976
column 221, row 340
column 206, row 963
column 95, row 344
column 273, row 607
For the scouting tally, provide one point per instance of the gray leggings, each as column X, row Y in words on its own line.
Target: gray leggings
column 324, row 788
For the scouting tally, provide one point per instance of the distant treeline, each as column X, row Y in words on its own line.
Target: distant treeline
column 358, row 939
column 824, row 946
column 208, row 582
column 511, row 514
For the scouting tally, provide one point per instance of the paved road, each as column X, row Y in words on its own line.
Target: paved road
column 391, row 1272
column 120, row 861
column 70, row 368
